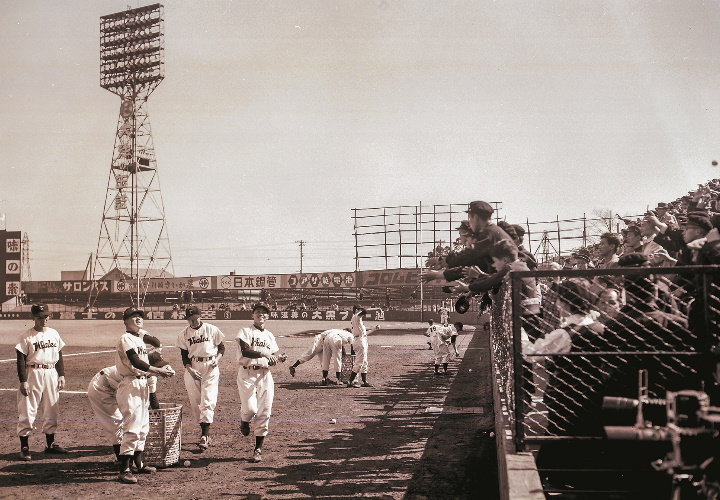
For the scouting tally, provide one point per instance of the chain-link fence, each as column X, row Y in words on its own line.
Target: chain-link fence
column 595, row 331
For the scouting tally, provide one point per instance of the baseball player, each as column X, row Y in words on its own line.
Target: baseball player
column 432, row 328
column 102, row 395
column 42, row 375
column 332, row 353
column 315, row 349
column 440, row 339
column 201, row 348
column 455, row 329
column 131, row 360
column 444, row 314
column 360, row 345
column 255, row 382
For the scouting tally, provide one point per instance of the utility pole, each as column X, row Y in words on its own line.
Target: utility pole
column 301, row 243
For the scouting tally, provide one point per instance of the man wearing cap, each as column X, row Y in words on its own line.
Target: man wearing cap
column 664, row 216
column 131, row 360
column 102, row 392
column 633, row 239
column 42, row 375
column 360, row 345
column 201, row 347
column 486, row 235
column 256, row 386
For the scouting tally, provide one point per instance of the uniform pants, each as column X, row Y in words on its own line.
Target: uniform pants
column 203, row 393
column 132, row 399
column 43, row 399
column 315, row 349
column 103, row 401
column 441, row 350
column 332, row 353
column 361, row 354
column 257, row 391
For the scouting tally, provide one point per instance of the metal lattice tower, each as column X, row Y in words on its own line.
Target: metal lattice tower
column 546, row 250
column 133, row 240
column 25, row 274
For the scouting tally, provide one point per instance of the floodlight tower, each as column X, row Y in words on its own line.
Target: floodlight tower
column 133, row 240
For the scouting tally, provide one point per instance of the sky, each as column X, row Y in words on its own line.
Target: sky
column 277, row 118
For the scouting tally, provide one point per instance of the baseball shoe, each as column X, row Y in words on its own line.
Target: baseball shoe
column 127, row 477
column 324, row 381
column 438, row 373
column 25, row 454
column 353, row 384
column 331, row 381
column 292, row 371
column 366, row 384
column 204, row 443
column 56, row 449
column 244, row 428
column 146, row 469
column 257, row 455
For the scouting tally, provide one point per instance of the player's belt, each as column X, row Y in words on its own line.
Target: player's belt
column 45, row 366
column 253, row 367
column 207, row 358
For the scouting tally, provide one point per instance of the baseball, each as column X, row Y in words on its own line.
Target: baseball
column 469, row 369
column 333, row 421
column 186, row 463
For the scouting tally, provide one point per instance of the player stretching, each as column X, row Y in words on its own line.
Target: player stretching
column 201, row 347
column 361, row 347
column 255, row 382
column 41, row 373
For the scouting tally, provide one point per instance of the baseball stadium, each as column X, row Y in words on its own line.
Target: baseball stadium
column 459, row 353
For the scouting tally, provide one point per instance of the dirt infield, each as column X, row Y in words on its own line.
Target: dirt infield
column 384, row 444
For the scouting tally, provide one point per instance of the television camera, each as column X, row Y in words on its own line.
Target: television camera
column 689, row 423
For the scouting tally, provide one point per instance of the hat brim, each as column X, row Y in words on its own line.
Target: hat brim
column 42, row 314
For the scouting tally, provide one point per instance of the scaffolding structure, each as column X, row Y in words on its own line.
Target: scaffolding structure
column 133, row 243
column 403, row 236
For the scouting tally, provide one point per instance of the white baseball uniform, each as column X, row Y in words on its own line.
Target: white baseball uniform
column 444, row 315
column 255, row 382
column 360, row 344
column 42, row 350
column 132, row 394
column 315, row 349
column 440, row 341
column 202, row 347
column 332, row 348
column 102, row 392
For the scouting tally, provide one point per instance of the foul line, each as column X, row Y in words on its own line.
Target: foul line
column 78, row 354
column 63, row 391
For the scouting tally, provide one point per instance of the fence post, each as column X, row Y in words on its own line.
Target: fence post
column 516, row 353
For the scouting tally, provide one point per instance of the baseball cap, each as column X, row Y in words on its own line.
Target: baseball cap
column 480, row 208
column 583, row 254
column 132, row 311
column 633, row 259
column 40, row 310
column 191, row 311
column 464, row 226
column 156, row 360
column 699, row 219
column 261, row 305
